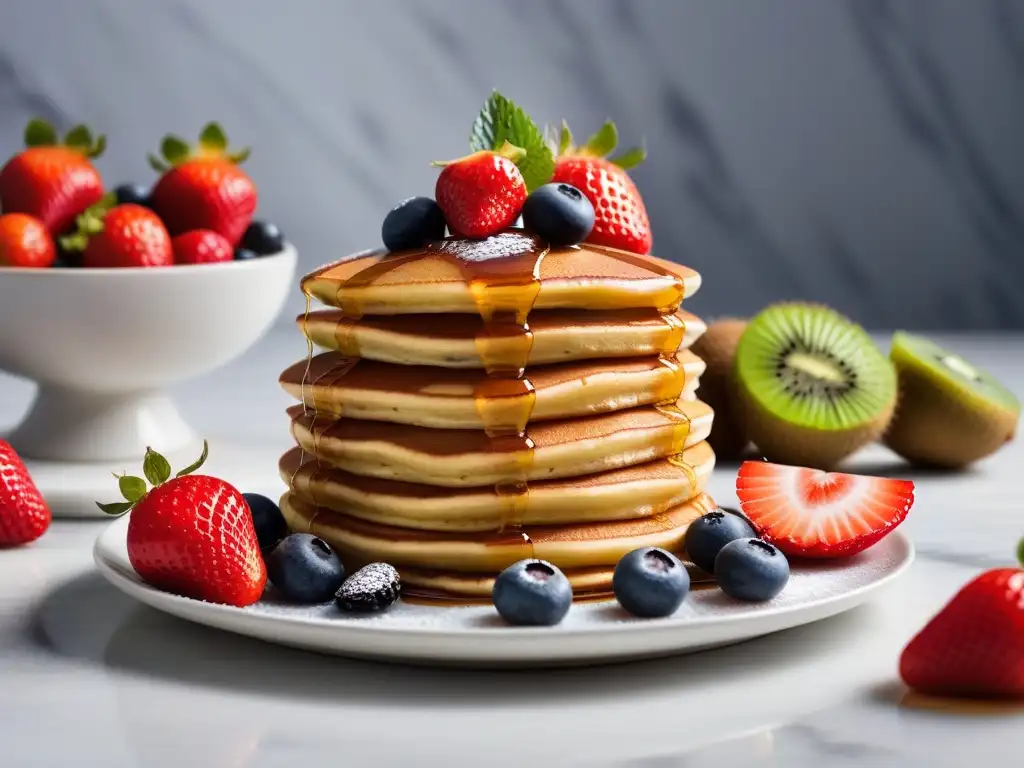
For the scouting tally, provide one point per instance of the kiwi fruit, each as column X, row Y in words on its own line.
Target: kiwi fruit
column 717, row 348
column 814, row 386
column 950, row 412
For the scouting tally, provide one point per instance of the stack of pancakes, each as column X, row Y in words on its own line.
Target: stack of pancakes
column 485, row 401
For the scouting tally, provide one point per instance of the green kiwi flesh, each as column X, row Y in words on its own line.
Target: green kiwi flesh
column 814, row 386
column 950, row 413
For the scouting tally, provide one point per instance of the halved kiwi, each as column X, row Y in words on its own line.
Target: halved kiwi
column 815, row 388
column 717, row 348
column 950, row 413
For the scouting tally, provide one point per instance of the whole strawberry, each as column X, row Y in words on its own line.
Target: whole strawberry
column 191, row 535
column 126, row 235
column 481, row 194
column 620, row 218
column 24, row 242
column 974, row 647
column 201, row 246
column 24, row 515
column 53, row 182
column 202, row 187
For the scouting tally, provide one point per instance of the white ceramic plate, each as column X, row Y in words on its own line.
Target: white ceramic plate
column 592, row 633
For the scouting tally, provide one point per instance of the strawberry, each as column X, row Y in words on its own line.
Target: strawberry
column 201, row 246
column 974, row 647
column 24, row 515
column 191, row 535
column 24, row 242
column 810, row 513
column 50, row 181
column 620, row 218
column 481, row 194
column 202, row 187
column 126, row 235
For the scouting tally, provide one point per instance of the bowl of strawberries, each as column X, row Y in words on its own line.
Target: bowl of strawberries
column 109, row 296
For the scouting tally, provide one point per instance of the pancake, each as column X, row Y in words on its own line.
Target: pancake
column 466, row 458
column 569, row 547
column 463, row 341
column 631, row 492
column 461, row 398
column 511, row 271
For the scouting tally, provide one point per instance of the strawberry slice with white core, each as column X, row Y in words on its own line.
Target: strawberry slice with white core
column 810, row 513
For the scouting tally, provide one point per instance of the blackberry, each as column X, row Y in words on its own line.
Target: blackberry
column 372, row 588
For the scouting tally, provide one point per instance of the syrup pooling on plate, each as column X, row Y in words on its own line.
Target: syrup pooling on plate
column 503, row 276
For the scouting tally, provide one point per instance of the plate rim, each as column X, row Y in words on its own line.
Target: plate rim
column 135, row 587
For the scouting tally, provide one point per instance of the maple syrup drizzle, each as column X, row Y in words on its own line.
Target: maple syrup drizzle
column 503, row 275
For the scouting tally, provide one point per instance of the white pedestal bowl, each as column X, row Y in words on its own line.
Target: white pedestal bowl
column 102, row 344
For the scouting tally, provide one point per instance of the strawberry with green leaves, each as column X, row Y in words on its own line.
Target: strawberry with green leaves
column 52, row 180
column 202, row 186
column 620, row 218
column 116, row 236
column 191, row 535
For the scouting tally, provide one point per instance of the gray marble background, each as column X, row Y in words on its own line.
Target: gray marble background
column 865, row 153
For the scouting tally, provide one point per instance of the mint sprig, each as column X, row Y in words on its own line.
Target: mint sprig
column 500, row 121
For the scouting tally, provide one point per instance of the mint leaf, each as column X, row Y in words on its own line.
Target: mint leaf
column 629, row 159
column 604, row 141
column 155, row 467
column 500, row 120
column 117, row 508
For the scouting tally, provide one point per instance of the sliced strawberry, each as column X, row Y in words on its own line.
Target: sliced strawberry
column 975, row 645
column 811, row 513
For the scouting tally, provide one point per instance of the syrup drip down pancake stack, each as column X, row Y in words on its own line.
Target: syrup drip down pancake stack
column 479, row 402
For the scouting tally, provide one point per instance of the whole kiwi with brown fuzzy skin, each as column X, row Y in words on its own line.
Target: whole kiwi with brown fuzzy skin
column 718, row 388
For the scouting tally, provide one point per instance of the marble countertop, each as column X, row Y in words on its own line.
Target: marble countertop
column 89, row 678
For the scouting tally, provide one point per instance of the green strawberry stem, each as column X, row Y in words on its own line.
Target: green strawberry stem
column 40, row 133
column 506, row 150
column 1020, row 553
column 601, row 144
column 157, row 471
column 87, row 224
column 212, row 144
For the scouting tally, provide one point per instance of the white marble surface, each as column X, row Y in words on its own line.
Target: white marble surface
column 87, row 678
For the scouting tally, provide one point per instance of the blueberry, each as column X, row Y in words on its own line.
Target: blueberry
column 413, row 223
column 751, row 569
column 305, row 569
column 559, row 213
column 263, row 238
column 244, row 254
column 132, row 193
column 532, row 593
column 650, row 582
column 266, row 516
column 706, row 537
column 372, row 588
